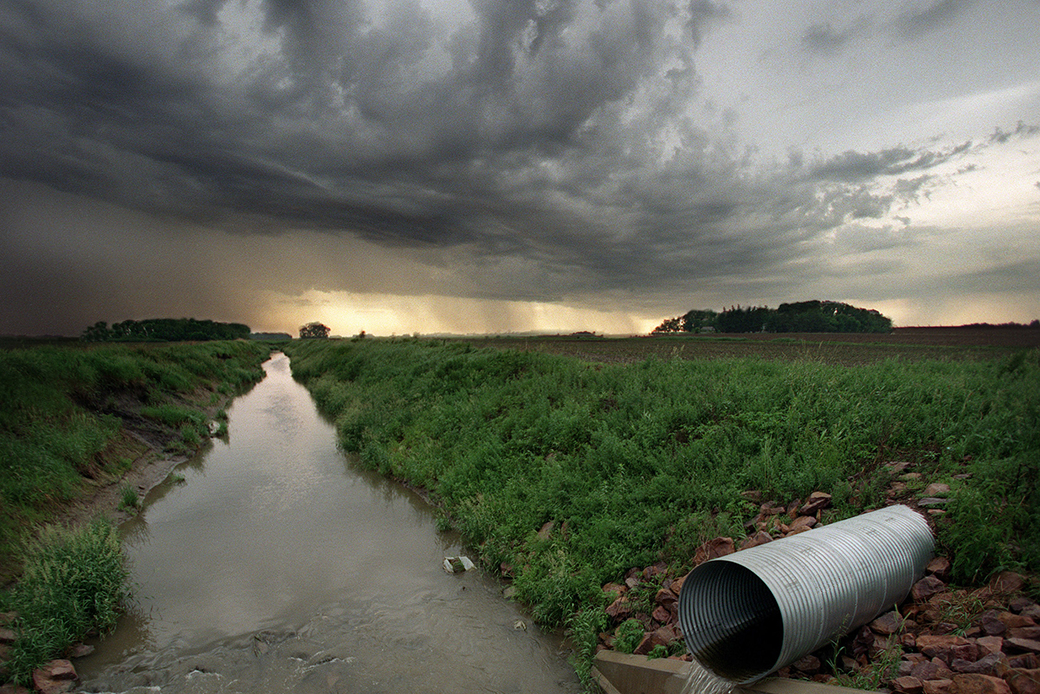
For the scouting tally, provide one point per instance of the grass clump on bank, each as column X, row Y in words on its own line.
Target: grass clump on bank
column 566, row 473
column 74, row 583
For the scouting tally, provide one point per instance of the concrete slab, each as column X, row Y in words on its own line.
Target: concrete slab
column 620, row 673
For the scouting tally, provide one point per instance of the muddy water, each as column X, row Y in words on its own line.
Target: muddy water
column 278, row 566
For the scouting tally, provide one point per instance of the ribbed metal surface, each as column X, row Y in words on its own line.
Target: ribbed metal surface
column 752, row 612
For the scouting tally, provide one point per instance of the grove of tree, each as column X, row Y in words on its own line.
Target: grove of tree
column 799, row 317
column 314, row 331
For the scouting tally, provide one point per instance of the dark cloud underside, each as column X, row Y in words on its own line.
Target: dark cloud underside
column 550, row 147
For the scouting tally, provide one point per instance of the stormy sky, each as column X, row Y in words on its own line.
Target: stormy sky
column 402, row 166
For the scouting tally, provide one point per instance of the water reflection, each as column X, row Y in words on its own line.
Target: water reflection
column 278, row 566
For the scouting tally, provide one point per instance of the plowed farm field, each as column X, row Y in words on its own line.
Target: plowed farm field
column 904, row 344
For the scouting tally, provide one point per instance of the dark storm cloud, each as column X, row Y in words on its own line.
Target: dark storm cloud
column 341, row 128
column 824, row 39
column 550, row 143
column 912, row 24
column 856, row 166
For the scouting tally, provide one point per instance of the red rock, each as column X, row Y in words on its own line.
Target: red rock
column 939, row 567
column 817, row 501
column 616, row 588
column 1023, row 681
column 1032, row 611
column 930, row 671
column 1032, row 632
column 59, row 670
column 984, row 666
column 908, row 685
column 968, row 652
column 989, row 644
column 664, row 636
column 79, row 650
column 655, row 569
column 56, row 677
column 888, row 623
column 1015, row 621
column 759, row 538
column 661, row 614
column 979, row 684
column 938, row 687
column 645, row 646
column 1020, row 645
column 926, row 588
column 619, row 609
column 991, row 623
column 1026, row 661
column 940, row 646
column 808, row 664
column 666, row 597
column 1016, row 605
column 936, row 489
column 677, row 584
column 7, row 635
column 896, row 466
column 801, row 522
column 713, row 549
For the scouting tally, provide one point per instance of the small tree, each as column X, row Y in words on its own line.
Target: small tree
column 314, row 331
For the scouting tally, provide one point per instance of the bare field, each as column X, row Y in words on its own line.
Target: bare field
column 905, row 344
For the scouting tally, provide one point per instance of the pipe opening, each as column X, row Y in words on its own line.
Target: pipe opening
column 731, row 621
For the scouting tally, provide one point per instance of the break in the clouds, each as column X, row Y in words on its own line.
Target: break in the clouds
column 490, row 165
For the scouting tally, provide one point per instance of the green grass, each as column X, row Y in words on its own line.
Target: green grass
column 74, row 584
column 636, row 459
column 64, row 411
column 128, row 498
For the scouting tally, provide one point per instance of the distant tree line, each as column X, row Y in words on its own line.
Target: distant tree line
column 1035, row 323
column 799, row 317
column 164, row 330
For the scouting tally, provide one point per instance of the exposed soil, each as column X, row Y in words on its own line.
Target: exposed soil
column 969, row 343
column 142, row 441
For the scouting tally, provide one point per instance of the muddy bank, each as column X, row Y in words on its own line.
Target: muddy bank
column 150, row 465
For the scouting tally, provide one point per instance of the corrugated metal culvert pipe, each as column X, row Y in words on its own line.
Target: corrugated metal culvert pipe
column 749, row 613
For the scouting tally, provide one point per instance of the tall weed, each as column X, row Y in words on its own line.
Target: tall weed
column 74, row 583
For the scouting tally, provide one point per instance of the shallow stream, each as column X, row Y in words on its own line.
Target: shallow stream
column 277, row 565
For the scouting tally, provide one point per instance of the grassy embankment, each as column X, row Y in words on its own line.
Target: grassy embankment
column 633, row 463
column 75, row 419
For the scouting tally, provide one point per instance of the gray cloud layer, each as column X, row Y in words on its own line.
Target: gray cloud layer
column 567, row 135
